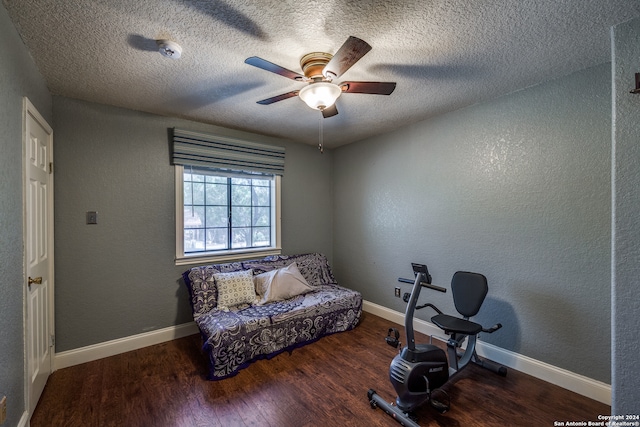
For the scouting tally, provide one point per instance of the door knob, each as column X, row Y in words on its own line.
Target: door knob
column 37, row 280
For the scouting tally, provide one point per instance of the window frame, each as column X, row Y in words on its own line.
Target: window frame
column 228, row 254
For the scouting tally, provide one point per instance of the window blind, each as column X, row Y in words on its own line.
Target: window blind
column 198, row 149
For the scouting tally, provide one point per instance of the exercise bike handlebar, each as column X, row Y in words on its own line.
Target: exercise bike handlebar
column 492, row 329
column 425, row 284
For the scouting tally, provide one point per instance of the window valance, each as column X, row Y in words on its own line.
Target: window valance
column 198, row 149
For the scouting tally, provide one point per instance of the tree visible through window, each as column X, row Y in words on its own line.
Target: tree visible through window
column 226, row 212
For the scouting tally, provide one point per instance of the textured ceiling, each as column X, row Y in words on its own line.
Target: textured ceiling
column 443, row 54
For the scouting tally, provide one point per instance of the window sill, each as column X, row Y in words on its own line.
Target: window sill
column 220, row 257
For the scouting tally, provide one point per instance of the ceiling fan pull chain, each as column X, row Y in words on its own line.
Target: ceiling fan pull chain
column 320, row 144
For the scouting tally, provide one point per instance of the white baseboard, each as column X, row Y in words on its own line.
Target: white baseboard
column 24, row 420
column 122, row 345
column 585, row 386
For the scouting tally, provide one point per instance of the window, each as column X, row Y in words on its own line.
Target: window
column 227, row 197
column 222, row 216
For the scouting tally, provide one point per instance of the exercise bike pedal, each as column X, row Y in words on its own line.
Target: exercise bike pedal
column 393, row 338
column 439, row 406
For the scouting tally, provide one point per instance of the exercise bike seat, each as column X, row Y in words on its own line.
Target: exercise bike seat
column 456, row 325
column 469, row 291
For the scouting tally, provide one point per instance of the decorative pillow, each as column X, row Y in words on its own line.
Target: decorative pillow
column 235, row 288
column 202, row 286
column 314, row 267
column 281, row 284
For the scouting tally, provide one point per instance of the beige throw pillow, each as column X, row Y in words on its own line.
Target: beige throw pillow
column 281, row 284
column 235, row 288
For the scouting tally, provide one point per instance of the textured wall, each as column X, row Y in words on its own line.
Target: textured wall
column 518, row 189
column 18, row 77
column 118, row 278
column 626, row 224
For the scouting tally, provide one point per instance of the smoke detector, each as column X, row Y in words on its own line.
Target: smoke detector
column 169, row 49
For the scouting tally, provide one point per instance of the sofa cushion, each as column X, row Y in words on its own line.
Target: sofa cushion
column 235, row 288
column 234, row 339
column 281, row 284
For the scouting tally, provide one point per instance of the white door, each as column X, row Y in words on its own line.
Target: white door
column 38, row 218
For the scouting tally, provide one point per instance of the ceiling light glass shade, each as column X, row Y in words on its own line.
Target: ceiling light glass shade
column 320, row 95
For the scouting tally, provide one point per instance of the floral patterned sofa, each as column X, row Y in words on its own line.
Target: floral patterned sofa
column 237, row 334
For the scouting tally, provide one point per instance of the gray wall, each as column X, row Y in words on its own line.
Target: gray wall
column 118, row 278
column 18, row 77
column 626, row 223
column 517, row 189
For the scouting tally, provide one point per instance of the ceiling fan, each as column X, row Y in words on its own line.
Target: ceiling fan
column 320, row 69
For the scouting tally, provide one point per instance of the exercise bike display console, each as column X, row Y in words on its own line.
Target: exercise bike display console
column 419, row 370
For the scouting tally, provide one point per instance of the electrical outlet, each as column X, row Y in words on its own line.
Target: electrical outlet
column 3, row 409
column 398, row 292
column 92, row 217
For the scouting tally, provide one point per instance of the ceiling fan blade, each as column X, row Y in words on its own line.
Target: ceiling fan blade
column 330, row 112
column 374, row 88
column 350, row 52
column 274, row 68
column 279, row 98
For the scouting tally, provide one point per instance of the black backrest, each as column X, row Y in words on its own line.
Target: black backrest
column 469, row 290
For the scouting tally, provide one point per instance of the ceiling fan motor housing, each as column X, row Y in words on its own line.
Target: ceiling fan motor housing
column 313, row 63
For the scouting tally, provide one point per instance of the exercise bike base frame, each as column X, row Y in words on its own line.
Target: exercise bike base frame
column 392, row 410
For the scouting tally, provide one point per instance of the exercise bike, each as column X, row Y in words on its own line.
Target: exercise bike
column 419, row 370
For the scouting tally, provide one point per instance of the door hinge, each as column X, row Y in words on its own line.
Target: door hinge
column 50, row 167
column 52, row 341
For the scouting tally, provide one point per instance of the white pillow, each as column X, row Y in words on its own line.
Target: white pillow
column 281, row 284
column 235, row 288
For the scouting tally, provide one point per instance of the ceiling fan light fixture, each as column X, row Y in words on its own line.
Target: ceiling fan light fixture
column 320, row 95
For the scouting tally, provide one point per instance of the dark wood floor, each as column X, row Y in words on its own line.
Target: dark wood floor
column 321, row 384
